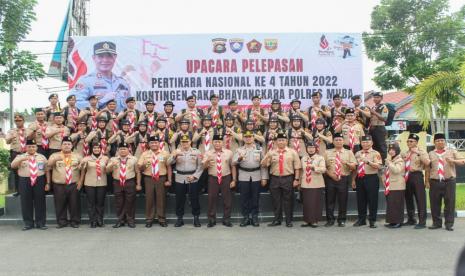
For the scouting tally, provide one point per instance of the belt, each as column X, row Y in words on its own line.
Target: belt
column 378, row 125
column 185, row 172
column 412, row 172
column 289, row 175
column 249, row 169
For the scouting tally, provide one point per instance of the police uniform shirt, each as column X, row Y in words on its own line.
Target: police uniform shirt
column 164, row 160
column 226, row 162
column 90, row 164
column 357, row 130
column 23, row 166
column 373, row 156
column 187, row 161
column 291, row 161
column 95, row 84
column 253, row 155
column 381, row 109
column 318, row 169
column 35, row 128
column 58, row 170
column 55, row 140
column 396, row 173
column 200, row 139
column 449, row 167
column 416, row 159
column 346, row 155
column 131, row 167
column 12, row 138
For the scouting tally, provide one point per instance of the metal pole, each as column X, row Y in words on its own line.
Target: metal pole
column 10, row 79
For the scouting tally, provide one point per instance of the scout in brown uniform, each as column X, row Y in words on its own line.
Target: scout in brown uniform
column 81, row 147
column 295, row 110
column 94, row 178
column 32, row 186
column 191, row 113
column 362, row 113
column 188, row 171
column 216, row 111
column 257, row 134
column 442, row 176
column 121, row 136
column 36, row 131
column 271, row 133
column 339, row 164
column 56, row 132
column 71, row 113
column 53, row 107
column 65, row 176
column 163, row 133
column 316, row 110
column 110, row 114
column 366, row 182
column 247, row 160
column 231, row 134
column 90, row 113
column 130, row 113
column 337, row 111
column 17, row 138
column 255, row 113
column 204, row 136
column 297, row 135
column 149, row 115
column 285, row 167
column 101, row 135
column 155, row 165
column 140, row 139
column 415, row 162
column 235, row 113
column 379, row 114
column 394, row 185
column 276, row 111
column 351, row 130
column 182, row 130
column 322, row 137
column 169, row 115
column 312, row 185
column 222, row 177
column 126, row 181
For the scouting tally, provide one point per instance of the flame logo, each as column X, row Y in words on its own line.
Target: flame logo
column 323, row 42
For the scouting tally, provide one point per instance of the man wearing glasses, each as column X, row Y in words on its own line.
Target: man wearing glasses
column 16, row 138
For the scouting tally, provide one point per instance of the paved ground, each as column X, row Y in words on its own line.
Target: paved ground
column 236, row 251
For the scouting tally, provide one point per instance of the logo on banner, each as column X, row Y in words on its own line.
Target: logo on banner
column 345, row 45
column 325, row 50
column 219, row 45
column 254, row 46
column 271, row 44
column 236, row 44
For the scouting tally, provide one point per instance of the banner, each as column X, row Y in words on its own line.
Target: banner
column 234, row 66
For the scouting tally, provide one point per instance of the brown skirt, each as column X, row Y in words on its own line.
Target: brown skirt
column 311, row 199
column 395, row 206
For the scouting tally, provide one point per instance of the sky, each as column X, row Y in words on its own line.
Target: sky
column 145, row 17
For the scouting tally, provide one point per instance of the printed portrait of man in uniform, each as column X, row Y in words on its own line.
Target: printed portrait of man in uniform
column 102, row 83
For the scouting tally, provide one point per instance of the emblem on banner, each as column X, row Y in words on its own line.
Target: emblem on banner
column 346, row 44
column 236, row 44
column 271, row 44
column 325, row 49
column 323, row 42
column 254, row 46
column 219, row 45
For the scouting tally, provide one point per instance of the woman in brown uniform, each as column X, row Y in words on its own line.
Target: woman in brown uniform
column 81, row 147
column 394, row 184
column 94, row 178
column 312, row 185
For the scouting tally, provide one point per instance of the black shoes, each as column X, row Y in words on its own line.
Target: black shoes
column 16, row 194
column 274, row 223
column 59, row 226
column 341, row 224
column 132, row 225
column 245, row 221
column 93, row 225
column 227, row 223
column 118, row 225
column 373, row 225
column 434, row 227
column 449, row 228
column 211, row 223
column 420, row 226
column 26, row 228
column 329, row 223
column 289, row 224
column 179, row 222
column 409, row 222
column 100, row 223
column 74, row 225
column 197, row 221
column 163, row 223
column 359, row 223
column 394, row 225
column 149, row 224
column 41, row 227
column 255, row 222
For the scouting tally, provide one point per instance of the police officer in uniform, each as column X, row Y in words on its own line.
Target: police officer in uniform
column 366, row 182
column 32, row 186
column 188, row 170
column 103, row 82
column 247, row 161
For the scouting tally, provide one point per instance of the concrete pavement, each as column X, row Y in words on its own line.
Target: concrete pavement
column 230, row 251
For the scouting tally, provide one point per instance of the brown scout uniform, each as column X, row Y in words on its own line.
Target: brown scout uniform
column 396, row 197
column 312, row 192
column 56, row 139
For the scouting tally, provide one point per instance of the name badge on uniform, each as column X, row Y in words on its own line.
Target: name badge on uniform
column 160, row 158
column 41, row 166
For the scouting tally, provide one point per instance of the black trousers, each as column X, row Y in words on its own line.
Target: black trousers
column 15, row 175
column 415, row 189
column 367, row 195
column 378, row 134
column 125, row 200
column 67, row 199
column 337, row 190
column 250, row 195
column 181, row 190
column 32, row 201
column 282, row 194
column 95, row 202
column 442, row 190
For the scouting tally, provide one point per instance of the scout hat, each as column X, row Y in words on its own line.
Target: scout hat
column 218, row 137
column 413, row 136
column 366, row 138
column 438, row 136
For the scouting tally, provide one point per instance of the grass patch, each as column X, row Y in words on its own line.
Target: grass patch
column 2, row 201
column 459, row 197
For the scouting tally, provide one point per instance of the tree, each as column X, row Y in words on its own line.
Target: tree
column 16, row 66
column 440, row 91
column 413, row 39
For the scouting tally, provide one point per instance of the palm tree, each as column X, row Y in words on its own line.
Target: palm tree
column 434, row 97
